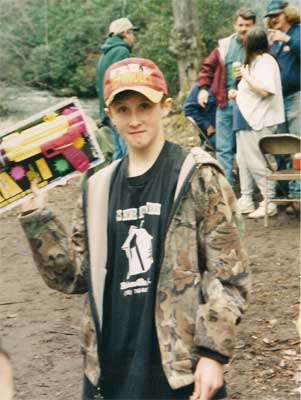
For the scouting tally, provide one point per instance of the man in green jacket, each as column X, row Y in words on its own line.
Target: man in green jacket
column 118, row 46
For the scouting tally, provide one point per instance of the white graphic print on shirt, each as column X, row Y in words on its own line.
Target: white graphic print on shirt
column 138, row 248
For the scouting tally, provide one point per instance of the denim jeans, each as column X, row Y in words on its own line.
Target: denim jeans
column 292, row 126
column 225, row 140
column 120, row 149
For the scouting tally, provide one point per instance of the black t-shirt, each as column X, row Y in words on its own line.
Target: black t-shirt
column 139, row 208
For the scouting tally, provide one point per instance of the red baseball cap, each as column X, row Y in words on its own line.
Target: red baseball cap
column 137, row 74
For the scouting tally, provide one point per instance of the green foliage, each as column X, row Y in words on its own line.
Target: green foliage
column 216, row 20
column 55, row 43
column 155, row 21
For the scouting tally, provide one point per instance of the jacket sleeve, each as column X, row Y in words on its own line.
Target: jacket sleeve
column 207, row 70
column 61, row 261
column 225, row 275
column 294, row 43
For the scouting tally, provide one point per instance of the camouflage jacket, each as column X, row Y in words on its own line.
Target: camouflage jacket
column 204, row 280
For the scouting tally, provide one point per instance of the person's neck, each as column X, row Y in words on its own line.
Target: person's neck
column 142, row 161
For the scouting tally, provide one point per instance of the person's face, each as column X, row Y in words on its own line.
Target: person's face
column 242, row 27
column 278, row 21
column 138, row 120
column 129, row 37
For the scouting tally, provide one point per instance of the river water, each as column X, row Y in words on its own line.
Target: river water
column 22, row 103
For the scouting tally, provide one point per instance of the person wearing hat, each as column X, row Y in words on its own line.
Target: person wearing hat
column 118, row 46
column 156, row 246
column 284, row 33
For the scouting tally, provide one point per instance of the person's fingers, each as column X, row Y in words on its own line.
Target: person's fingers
column 38, row 200
column 205, row 392
column 34, row 188
column 204, row 102
column 197, row 389
column 203, row 98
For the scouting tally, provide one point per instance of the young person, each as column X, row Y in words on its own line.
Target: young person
column 259, row 110
column 155, row 244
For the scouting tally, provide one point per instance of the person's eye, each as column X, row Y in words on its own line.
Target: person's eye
column 145, row 106
column 122, row 109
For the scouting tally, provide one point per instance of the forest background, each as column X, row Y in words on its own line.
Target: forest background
column 55, row 44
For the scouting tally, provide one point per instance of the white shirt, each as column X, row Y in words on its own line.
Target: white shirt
column 261, row 112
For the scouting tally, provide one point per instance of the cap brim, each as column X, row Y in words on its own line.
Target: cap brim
column 153, row 95
column 274, row 12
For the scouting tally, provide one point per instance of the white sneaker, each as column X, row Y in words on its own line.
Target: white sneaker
column 259, row 213
column 245, row 205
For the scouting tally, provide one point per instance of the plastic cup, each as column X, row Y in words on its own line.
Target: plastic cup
column 235, row 67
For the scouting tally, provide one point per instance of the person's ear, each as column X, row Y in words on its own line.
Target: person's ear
column 166, row 106
column 107, row 112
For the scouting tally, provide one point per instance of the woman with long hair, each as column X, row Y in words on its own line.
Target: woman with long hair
column 258, row 111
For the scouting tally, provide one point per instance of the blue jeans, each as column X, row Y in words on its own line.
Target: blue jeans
column 120, row 149
column 292, row 126
column 225, row 140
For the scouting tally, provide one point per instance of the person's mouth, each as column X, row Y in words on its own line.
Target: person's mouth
column 136, row 132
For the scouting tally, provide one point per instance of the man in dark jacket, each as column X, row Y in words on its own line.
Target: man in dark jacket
column 117, row 47
column 283, row 22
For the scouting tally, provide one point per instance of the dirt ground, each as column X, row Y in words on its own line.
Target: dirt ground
column 39, row 326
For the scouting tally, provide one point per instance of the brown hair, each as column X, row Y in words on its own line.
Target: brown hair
column 256, row 43
column 245, row 13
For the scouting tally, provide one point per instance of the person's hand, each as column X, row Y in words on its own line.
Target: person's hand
column 210, row 130
column 208, row 378
column 276, row 35
column 244, row 71
column 6, row 378
column 237, row 74
column 38, row 200
column 203, row 97
column 232, row 94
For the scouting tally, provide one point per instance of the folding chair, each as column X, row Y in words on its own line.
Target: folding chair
column 279, row 144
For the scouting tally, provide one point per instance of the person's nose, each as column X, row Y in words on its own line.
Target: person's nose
column 134, row 120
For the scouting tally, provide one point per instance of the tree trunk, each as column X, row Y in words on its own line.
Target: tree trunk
column 185, row 41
